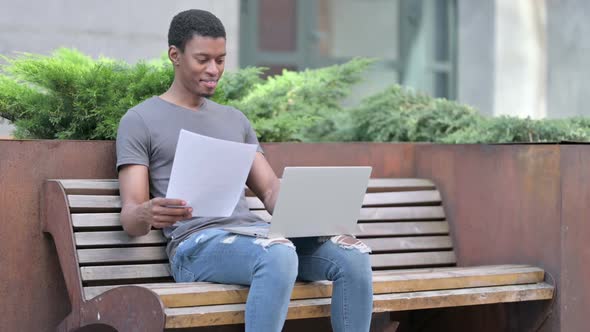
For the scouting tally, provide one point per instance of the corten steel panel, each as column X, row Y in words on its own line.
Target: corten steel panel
column 575, row 258
column 503, row 203
column 388, row 160
column 509, row 317
column 31, row 283
column 32, row 290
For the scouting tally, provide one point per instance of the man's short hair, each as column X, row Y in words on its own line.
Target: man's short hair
column 193, row 22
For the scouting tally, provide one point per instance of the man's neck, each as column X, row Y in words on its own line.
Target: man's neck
column 176, row 95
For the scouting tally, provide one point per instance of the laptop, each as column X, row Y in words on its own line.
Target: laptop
column 315, row 201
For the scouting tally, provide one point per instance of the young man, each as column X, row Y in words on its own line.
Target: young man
column 198, row 248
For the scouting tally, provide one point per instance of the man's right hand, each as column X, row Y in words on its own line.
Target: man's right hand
column 139, row 213
column 164, row 212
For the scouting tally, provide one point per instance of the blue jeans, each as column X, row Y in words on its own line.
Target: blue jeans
column 271, row 266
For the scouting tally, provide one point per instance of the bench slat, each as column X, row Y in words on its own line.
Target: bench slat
column 313, row 308
column 204, row 293
column 403, row 228
column 91, row 187
column 409, row 243
column 122, row 255
column 111, row 186
column 413, row 259
column 380, row 199
column 142, row 254
column 402, row 184
column 113, row 202
column 79, row 203
column 142, row 271
column 120, row 272
column 402, row 198
column 402, row 213
column 387, row 213
column 117, row 238
column 96, row 220
column 120, row 238
column 110, row 220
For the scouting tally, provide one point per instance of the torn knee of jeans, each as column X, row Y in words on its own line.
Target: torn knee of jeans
column 229, row 239
column 265, row 243
column 350, row 242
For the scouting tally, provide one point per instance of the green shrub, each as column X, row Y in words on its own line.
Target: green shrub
column 401, row 115
column 235, row 86
column 506, row 129
column 299, row 106
column 69, row 95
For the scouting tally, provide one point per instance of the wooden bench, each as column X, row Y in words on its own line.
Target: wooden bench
column 126, row 283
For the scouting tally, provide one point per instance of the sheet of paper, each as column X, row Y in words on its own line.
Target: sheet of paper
column 209, row 173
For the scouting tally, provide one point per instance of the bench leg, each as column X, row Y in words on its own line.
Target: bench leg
column 127, row 308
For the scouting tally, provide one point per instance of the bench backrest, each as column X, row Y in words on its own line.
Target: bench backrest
column 403, row 222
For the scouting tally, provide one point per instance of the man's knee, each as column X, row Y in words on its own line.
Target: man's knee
column 279, row 257
column 350, row 242
column 355, row 263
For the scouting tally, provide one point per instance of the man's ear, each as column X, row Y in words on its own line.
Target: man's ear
column 173, row 54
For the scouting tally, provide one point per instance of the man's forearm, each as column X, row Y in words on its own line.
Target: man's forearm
column 270, row 197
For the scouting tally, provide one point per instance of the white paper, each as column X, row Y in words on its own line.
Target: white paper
column 209, row 173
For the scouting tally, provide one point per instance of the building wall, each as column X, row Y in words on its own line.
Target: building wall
column 476, row 65
column 521, row 52
column 568, row 29
column 130, row 30
column 524, row 58
column 5, row 128
column 515, row 57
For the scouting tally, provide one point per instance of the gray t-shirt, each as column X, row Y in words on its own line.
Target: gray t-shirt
column 148, row 134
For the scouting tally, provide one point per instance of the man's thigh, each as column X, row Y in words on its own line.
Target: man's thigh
column 320, row 258
column 219, row 256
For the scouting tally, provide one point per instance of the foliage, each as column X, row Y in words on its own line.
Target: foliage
column 506, row 129
column 69, row 95
column 401, row 115
column 296, row 105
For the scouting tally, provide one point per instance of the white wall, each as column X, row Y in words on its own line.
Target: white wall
column 130, row 30
column 521, row 59
column 569, row 58
column 475, row 54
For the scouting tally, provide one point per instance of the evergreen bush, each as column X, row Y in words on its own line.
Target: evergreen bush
column 69, row 95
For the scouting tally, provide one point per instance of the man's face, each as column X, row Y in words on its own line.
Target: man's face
column 201, row 64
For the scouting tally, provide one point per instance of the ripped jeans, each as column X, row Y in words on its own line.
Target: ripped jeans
column 271, row 266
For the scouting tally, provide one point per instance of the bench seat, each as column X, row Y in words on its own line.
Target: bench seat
column 402, row 220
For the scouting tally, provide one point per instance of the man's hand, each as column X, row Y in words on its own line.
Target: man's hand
column 139, row 213
column 164, row 212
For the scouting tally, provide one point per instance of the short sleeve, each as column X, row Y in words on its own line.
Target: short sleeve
column 133, row 141
column 250, row 134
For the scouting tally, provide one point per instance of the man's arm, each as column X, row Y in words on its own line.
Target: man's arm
column 138, row 212
column 263, row 181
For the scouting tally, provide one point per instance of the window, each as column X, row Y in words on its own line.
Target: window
column 414, row 40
